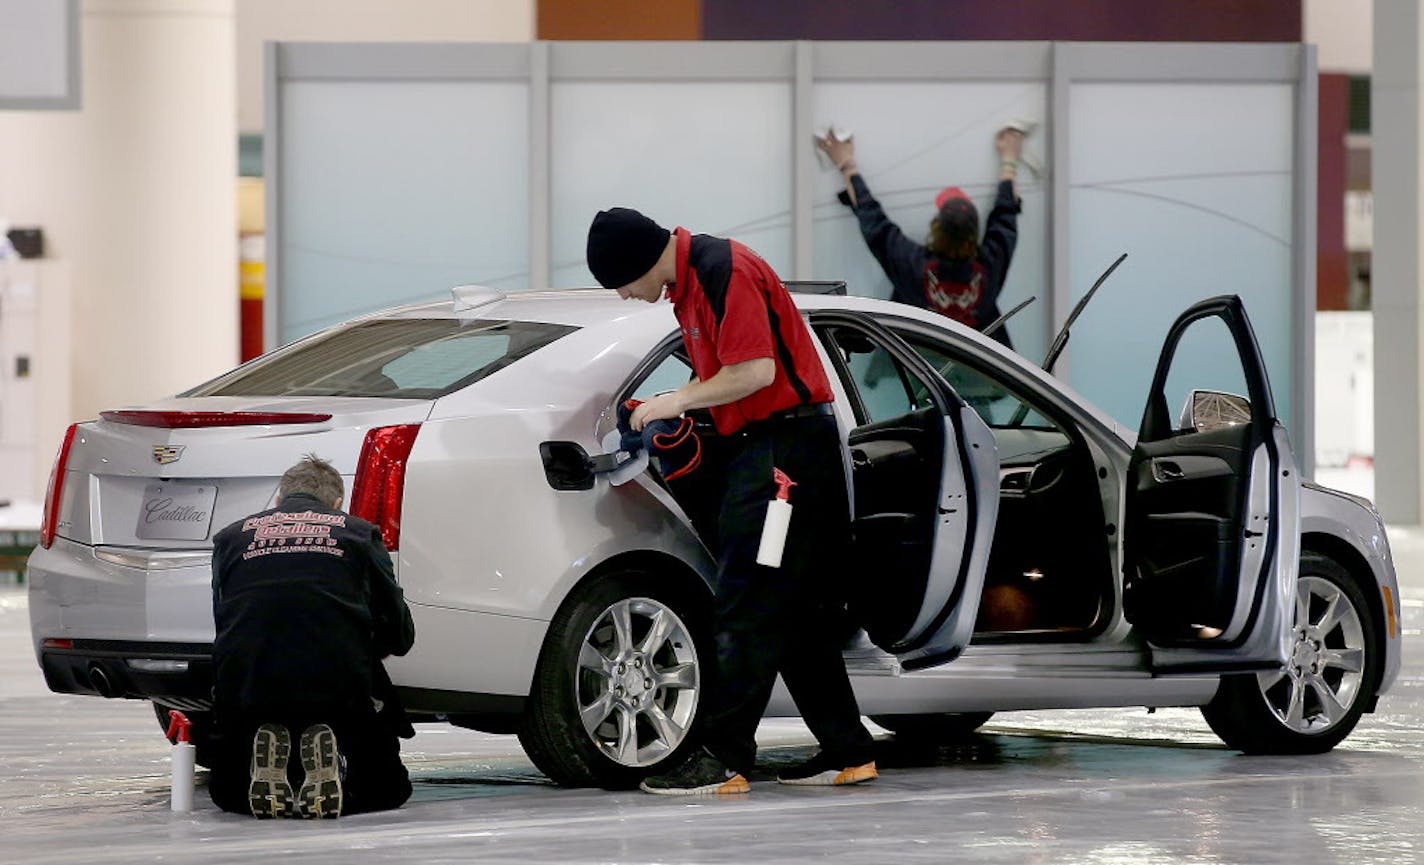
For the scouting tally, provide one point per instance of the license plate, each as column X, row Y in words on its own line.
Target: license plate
column 176, row 511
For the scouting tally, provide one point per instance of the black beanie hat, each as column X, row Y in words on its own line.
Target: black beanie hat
column 623, row 245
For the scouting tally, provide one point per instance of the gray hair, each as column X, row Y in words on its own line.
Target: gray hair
column 315, row 477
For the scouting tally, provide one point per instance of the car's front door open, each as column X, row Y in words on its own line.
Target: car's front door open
column 925, row 478
column 1212, row 521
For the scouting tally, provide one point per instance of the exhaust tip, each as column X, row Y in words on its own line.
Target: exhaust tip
column 99, row 680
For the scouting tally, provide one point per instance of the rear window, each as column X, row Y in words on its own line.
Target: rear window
column 417, row 358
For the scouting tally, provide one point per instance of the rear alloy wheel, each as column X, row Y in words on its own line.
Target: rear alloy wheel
column 618, row 686
column 941, row 727
column 1314, row 702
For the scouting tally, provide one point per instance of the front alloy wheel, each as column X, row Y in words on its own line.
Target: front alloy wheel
column 1327, row 667
column 616, row 692
column 1316, row 700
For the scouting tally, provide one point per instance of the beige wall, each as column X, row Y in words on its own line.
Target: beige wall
column 260, row 21
column 1342, row 30
column 135, row 191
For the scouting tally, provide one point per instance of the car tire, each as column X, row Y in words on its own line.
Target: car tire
column 1317, row 700
column 200, row 731
column 616, row 694
column 941, row 727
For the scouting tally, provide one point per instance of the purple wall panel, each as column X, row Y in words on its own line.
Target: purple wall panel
column 1062, row 20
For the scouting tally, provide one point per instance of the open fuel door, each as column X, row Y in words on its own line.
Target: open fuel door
column 925, row 494
column 1212, row 517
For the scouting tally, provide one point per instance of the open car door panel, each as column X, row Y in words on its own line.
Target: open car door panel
column 925, row 478
column 1213, row 527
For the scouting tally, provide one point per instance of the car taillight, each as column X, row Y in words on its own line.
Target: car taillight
column 380, row 479
column 54, row 491
column 199, row 419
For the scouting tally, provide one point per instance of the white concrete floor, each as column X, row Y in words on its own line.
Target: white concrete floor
column 85, row 780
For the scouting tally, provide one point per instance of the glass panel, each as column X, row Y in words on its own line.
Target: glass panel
column 671, row 374
column 913, row 139
column 411, row 358
column 712, row 157
column 986, row 394
column 392, row 192
column 886, row 389
column 1194, row 183
column 1206, row 359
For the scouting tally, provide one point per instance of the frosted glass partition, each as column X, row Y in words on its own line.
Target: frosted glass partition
column 394, row 191
column 398, row 170
column 709, row 156
column 1194, row 182
column 913, row 139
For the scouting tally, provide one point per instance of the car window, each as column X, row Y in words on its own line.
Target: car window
column 1206, row 359
column 886, row 389
column 671, row 373
column 996, row 403
column 411, row 358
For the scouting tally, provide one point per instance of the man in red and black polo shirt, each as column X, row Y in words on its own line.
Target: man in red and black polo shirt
column 758, row 374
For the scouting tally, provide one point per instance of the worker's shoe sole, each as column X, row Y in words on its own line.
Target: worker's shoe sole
column 269, row 793
column 725, row 787
column 320, row 795
column 699, row 775
column 833, row 777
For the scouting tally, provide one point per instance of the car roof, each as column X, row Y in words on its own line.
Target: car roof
column 597, row 308
column 592, row 307
column 576, row 307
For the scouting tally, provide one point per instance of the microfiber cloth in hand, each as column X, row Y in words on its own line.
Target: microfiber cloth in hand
column 672, row 441
column 630, row 440
column 676, row 446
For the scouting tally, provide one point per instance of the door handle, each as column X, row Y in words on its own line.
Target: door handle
column 1164, row 471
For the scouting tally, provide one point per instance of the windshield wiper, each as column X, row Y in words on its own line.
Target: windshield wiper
column 1061, row 341
column 999, row 322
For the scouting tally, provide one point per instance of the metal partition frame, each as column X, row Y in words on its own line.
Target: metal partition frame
column 69, row 97
column 1057, row 65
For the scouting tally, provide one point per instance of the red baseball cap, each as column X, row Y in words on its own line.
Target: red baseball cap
column 949, row 193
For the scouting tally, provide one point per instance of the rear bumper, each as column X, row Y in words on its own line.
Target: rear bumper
column 115, row 593
column 177, row 674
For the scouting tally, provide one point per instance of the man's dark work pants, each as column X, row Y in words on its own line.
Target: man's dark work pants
column 780, row 620
column 375, row 780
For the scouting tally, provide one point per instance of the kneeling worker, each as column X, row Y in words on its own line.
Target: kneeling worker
column 306, row 604
column 759, row 375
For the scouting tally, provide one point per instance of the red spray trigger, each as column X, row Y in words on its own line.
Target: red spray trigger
column 178, row 725
column 783, row 482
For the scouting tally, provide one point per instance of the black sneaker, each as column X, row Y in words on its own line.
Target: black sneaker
column 700, row 775
column 822, row 772
column 269, row 793
column 320, row 795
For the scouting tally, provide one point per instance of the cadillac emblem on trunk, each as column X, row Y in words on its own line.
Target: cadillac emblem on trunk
column 165, row 454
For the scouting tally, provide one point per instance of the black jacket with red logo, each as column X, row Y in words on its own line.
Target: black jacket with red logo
column 306, row 604
column 967, row 291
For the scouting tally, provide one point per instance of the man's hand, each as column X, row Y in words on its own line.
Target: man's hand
column 1009, row 143
column 841, row 153
column 731, row 383
column 660, row 407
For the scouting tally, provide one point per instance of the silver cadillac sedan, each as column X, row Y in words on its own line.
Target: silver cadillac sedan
column 1014, row 547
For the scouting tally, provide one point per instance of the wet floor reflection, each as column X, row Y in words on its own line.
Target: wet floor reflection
column 86, row 780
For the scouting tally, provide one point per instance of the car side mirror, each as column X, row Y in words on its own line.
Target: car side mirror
column 1208, row 410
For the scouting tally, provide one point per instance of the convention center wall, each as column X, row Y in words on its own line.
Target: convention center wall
column 396, row 171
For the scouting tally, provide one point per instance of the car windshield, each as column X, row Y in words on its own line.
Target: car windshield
column 414, row 358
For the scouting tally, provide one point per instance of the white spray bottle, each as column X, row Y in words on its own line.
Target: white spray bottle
column 778, row 520
column 185, row 758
